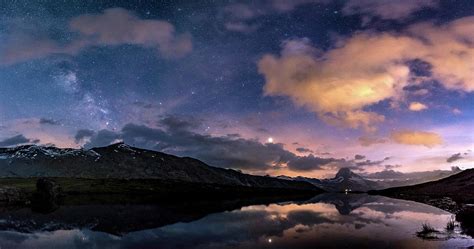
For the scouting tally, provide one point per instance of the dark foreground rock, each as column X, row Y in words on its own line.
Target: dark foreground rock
column 466, row 217
column 46, row 197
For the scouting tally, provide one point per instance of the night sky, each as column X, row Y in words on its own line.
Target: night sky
column 301, row 87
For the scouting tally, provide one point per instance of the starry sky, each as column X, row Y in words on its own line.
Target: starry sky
column 300, row 87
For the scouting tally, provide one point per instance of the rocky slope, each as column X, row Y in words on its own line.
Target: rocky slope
column 120, row 161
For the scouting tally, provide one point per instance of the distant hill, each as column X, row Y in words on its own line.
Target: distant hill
column 459, row 187
column 120, row 161
column 344, row 180
column 391, row 178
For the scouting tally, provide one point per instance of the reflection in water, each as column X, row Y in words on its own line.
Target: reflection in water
column 326, row 221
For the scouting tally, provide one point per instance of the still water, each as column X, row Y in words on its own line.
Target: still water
column 325, row 221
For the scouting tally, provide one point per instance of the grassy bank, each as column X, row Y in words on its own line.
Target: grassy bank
column 148, row 190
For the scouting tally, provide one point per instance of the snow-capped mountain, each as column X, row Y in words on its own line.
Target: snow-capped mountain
column 344, row 180
column 32, row 152
column 120, row 161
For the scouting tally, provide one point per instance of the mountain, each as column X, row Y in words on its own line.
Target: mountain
column 344, row 180
column 459, row 187
column 120, row 161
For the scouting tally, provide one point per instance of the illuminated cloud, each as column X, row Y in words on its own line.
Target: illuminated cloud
column 428, row 139
column 417, row 106
column 119, row 26
column 114, row 27
column 368, row 140
column 367, row 68
column 338, row 84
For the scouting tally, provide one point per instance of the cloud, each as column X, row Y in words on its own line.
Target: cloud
column 68, row 81
column 242, row 16
column 241, row 11
column 368, row 140
column 428, row 139
column 387, row 9
column 359, row 157
column 285, row 6
column 417, row 106
column 390, row 174
column 390, row 166
column 456, row 111
column 334, row 89
column 454, row 158
column 367, row 68
column 304, row 150
column 310, row 162
column 113, row 27
column 177, row 135
column 82, row 134
column 180, row 123
column 17, row 140
column 241, row 27
column 360, row 165
column 103, row 138
column 47, row 121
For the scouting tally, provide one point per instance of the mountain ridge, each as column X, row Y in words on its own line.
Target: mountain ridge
column 346, row 179
column 121, row 161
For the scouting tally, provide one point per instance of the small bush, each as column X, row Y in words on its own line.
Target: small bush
column 450, row 226
column 426, row 229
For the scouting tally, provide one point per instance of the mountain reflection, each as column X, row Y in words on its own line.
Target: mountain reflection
column 325, row 221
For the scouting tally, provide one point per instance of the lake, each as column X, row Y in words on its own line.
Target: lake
column 325, row 221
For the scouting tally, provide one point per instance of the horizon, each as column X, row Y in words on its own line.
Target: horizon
column 374, row 176
column 296, row 88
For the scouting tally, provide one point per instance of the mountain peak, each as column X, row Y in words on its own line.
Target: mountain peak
column 120, row 146
column 344, row 173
